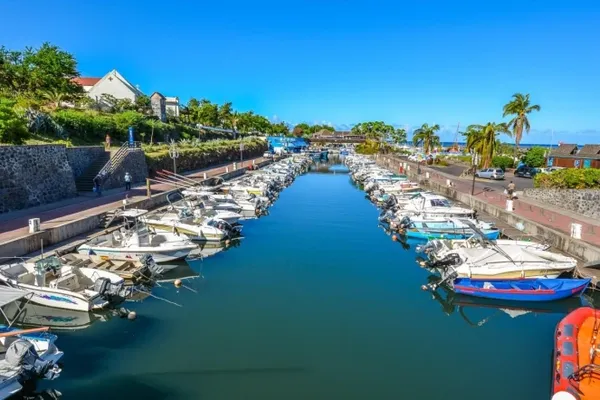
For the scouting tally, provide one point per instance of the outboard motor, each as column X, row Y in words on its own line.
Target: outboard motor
column 153, row 268
column 21, row 354
column 102, row 286
column 107, row 289
column 405, row 222
column 450, row 260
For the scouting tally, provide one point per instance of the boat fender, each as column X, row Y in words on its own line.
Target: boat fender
column 563, row 396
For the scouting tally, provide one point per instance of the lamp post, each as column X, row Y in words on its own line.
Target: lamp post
column 475, row 161
column 174, row 154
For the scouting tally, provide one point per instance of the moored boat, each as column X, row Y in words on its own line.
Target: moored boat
column 522, row 289
column 576, row 357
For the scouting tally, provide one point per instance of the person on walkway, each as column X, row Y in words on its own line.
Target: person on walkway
column 127, row 181
column 510, row 190
column 97, row 187
column 107, row 143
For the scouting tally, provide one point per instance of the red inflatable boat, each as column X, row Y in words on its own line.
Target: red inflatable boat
column 576, row 370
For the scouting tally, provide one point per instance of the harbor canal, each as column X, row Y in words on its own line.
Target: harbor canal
column 316, row 302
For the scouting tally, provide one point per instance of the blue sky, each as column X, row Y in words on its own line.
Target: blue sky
column 342, row 62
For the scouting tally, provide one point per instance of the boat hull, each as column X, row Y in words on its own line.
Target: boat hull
column 522, row 290
column 574, row 339
column 135, row 254
column 416, row 234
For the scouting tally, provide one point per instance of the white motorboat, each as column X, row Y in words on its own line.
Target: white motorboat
column 63, row 286
column 198, row 229
column 133, row 243
column 430, row 205
column 502, row 262
column 25, row 355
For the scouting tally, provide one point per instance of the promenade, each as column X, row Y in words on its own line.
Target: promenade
column 14, row 225
column 555, row 218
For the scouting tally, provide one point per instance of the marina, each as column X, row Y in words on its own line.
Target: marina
column 274, row 316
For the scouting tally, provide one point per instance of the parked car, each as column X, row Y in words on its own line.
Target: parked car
column 526, row 172
column 267, row 154
column 552, row 169
column 490, row 173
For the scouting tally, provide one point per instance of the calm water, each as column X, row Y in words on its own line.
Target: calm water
column 316, row 303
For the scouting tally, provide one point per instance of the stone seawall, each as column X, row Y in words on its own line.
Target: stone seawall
column 80, row 158
column 581, row 201
column 34, row 175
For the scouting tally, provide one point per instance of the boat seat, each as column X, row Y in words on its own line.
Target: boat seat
column 67, row 281
column 26, row 278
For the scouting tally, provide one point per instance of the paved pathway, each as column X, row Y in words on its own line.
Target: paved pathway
column 15, row 224
column 552, row 217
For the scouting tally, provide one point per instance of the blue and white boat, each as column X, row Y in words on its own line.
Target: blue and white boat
column 25, row 355
column 521, row 289
column 445, row 228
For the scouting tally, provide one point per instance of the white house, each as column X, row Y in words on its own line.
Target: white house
column 172, row 104
column 116, row 85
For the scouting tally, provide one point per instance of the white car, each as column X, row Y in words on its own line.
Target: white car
column 490, row 173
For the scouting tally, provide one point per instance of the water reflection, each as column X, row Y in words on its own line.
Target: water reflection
column 453, row 303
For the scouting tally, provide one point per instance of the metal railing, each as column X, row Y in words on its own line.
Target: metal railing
column 116, row 159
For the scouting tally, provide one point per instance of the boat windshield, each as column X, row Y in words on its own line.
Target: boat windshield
column 439, row 203
column 48, row 263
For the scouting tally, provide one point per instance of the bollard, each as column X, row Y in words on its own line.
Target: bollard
column 226, row 169
column 253, row 162
column 426, row 175
column 205, row 175
column 509, row 205
column 408, row 167
column 148, row 188
column 234, row 166
column 34, row 225
column 448, row 182
column 576, row 231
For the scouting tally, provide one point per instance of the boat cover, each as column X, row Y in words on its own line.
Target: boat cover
column 516, row 253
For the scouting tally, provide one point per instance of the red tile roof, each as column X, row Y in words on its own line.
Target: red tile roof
column 86, row 81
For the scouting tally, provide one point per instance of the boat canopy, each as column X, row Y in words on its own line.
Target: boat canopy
column 10, row 295
column 517, row 254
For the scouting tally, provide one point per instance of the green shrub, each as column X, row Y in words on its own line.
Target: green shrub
column 13, row 127
column 87, row 126
column 535, row 157
column 368, row 147
column 503, row 162
column 202, row 155
column 570, row 178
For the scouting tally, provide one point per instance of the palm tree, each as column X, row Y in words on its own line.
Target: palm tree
column 519, row 107
column 482, row 140
column 54, row 98
column 426, row 136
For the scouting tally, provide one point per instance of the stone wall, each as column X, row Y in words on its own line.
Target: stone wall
column 581, row 201
column 34, row 175
column 134, row 163
column 80, row 158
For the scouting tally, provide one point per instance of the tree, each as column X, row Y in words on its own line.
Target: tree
column 519, row 107
column 13, row 127
column 399, row 136
column 376, row 130
column 143, row 105
column 225, row 113
column 54, row 98
column 535, row 157
column 40, row 70
column 280, row 128
column 482, row 139
column 426, row 136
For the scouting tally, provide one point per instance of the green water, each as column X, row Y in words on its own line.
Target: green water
column 316, row 303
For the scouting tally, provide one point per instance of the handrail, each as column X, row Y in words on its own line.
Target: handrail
column 115, row 160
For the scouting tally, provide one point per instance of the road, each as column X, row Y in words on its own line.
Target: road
column 521, row 183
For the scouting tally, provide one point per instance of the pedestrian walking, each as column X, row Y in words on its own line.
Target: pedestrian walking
column 127, row 181
column 97, row 187
column 107, row 141
column 510, row 190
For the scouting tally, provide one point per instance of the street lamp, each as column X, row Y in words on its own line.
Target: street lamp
column 475, row 162
column 174, row 154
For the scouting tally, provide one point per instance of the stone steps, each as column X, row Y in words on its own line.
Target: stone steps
column 85, row 182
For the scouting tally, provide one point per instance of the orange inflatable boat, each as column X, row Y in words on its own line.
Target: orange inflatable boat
column 577, row 356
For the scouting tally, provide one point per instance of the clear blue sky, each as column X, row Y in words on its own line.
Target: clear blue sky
column 342, row 62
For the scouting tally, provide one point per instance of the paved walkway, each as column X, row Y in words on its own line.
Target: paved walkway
column 15, row 224
column 543, row 214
